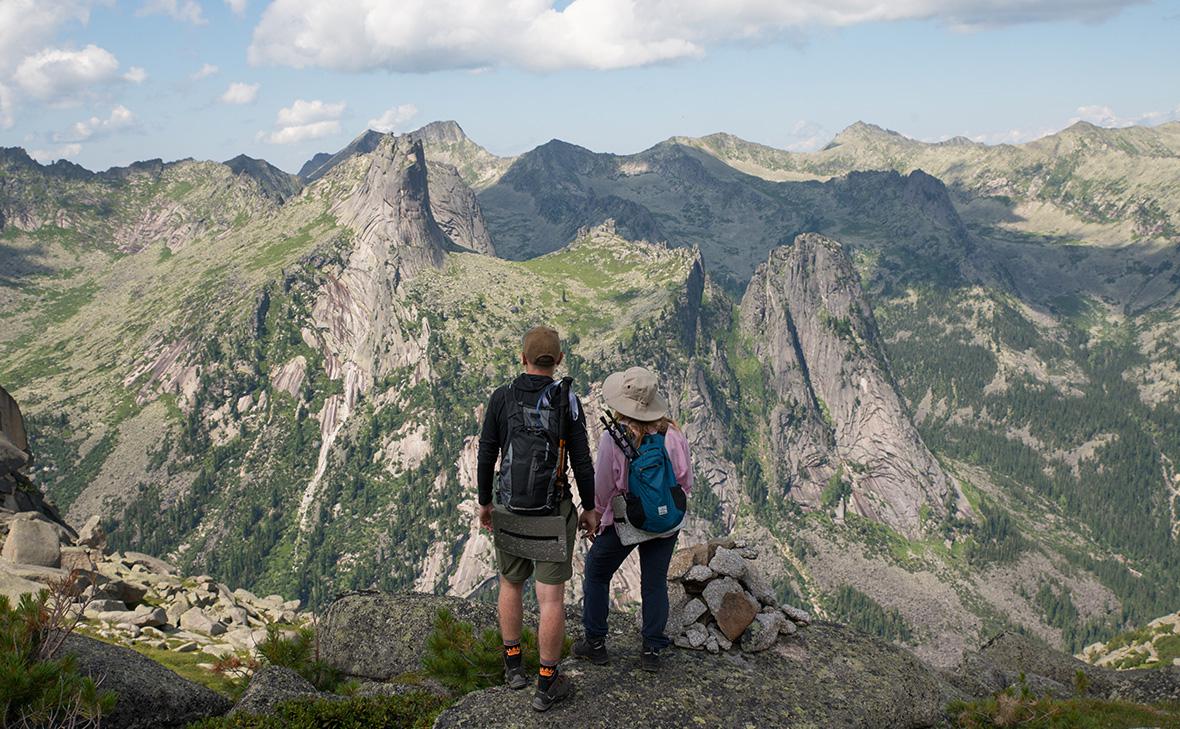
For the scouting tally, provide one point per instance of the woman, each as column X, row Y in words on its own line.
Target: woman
column 638, row 405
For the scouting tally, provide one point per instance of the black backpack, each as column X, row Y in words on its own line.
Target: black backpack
column 532, row 466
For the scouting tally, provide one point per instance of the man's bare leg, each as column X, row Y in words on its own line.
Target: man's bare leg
column 511, row 595
column 551, row 599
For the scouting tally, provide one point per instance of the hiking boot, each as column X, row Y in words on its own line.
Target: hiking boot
column 592, row 649
column 515, row 677
column 650, row 660
column 558, row 689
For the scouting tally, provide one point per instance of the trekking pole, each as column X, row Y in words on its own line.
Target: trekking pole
column 563, row 392
column 619, row 435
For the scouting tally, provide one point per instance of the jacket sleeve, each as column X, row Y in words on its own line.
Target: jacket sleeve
column 609, row 473
column 677, row 447
column 579, row 449
column 489, row 447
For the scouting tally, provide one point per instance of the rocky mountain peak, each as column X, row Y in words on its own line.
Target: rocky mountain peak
column 446, row 131
column 323, row 163
column 274, row 183
column 391, row 206
column 843, row 433
column 860, row 132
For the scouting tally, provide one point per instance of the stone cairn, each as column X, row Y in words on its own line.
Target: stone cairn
column 720, row 600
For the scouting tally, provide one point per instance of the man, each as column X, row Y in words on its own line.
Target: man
column 532, row 393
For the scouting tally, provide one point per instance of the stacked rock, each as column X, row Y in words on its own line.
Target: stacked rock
column 719, row 599
column 140, row 599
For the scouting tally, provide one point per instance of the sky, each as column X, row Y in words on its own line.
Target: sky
column 109, row 82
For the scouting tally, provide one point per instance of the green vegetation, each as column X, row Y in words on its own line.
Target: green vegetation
column 996, row 540
column 465, row 662
column 862, row 612
column 837, row 490
column 280, row 251
column 407, row 711
column 38, row 686
column 300, row 653
column 188, row 665
column 1112, row 493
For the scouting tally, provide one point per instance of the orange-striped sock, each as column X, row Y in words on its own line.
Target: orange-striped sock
column 512, row 654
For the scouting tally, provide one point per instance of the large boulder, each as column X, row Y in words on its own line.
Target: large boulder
column 92, row 534
column 826, row 676
column 14, row 583
column 273, row 685
column 150, row 696
column 379, row 636
column 32, row 540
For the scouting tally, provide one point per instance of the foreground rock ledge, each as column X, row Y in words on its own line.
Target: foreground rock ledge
column 826, row 676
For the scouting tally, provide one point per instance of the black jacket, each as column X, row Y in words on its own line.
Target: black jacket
column 494, row 438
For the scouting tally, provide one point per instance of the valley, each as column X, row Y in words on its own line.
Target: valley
column 939, row 379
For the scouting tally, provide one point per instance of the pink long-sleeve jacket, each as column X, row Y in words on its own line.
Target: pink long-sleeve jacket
column 610, row 471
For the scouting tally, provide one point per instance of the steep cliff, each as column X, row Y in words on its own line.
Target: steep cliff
column 837, row 421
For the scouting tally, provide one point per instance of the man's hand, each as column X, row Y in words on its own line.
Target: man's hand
column 589, row 521
column 485, row 517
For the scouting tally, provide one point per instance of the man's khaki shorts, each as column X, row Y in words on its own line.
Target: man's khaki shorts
column 517, row 569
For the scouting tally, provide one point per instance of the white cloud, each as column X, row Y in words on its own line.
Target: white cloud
column 808, row 136
column 238, row 6
column 204, row 71
column 119, row 118
column 135, row 75
column 1097, row 114
column 26, row 25
column 426, row 35
column 302, row 133
column 60, row 74
column 392, row 119
column 65, row 151
column 305, row 112
column 188, row 11
column 304, row 120
column 1104, row 116
column 240, row 93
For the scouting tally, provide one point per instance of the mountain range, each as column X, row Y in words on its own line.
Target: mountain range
column 941, row 379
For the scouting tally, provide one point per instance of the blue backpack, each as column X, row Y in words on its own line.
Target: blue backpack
column 655, row 502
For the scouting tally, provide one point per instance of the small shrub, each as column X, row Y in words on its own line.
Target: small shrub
column 39, row 688
column 408, row 711
column 237, row 671
column 464, row 662
column 301, row 654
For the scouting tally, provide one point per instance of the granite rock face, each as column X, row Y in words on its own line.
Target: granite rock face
column 273, row 685
column 837, row 414
column 379, row 636
column 456, row 210
column 32, row 540
column 826, row 676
